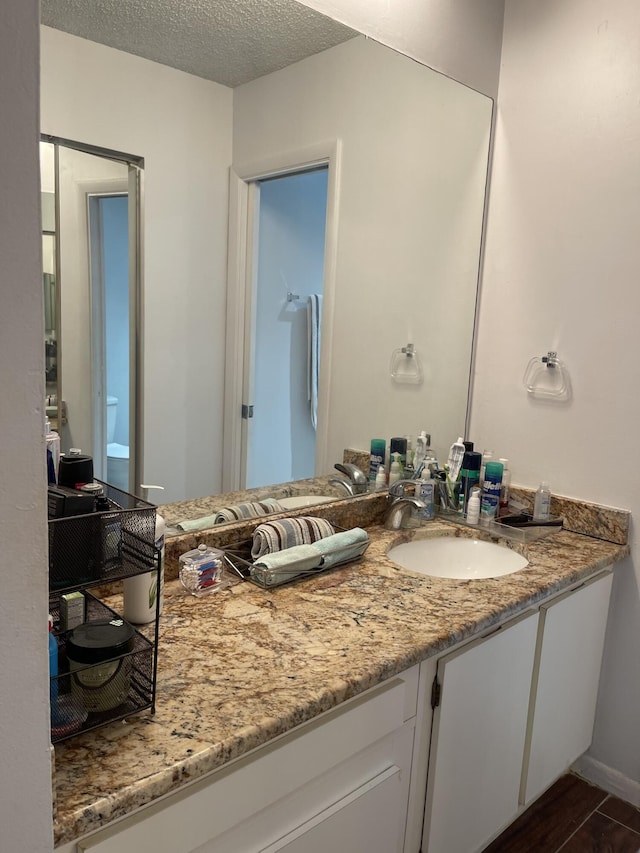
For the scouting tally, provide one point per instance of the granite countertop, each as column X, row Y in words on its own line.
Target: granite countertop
column 244, row 664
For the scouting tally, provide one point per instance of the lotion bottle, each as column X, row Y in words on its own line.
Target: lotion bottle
column 395, row 472
column 473, row 507
column 141, row 591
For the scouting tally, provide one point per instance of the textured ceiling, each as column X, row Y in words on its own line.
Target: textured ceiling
column 228, row 41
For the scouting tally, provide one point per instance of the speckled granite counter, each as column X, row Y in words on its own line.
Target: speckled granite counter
column 244, row 664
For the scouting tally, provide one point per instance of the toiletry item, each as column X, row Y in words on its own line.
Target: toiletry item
column 426, row 493
column 72, row 610
column 376, row 457
column 201, row 570
column 419, row 455
column 454, row 461
column 395, row 471
column 504, row 487
column 75, row 469
column 468, row 445
column 487, row 455
column 490, row 499
column 381, row 479
column 542, row 504
column 142, row 597
column 409, row 453
column 469, row 477
column 399, row 445
column 100, row 663
column 53, row 665
column 53, row 451
column 473, row 507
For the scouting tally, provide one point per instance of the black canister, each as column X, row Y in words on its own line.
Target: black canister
column 75, row 469
column 100, row 663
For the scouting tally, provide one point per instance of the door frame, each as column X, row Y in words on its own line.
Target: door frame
column 240, row 275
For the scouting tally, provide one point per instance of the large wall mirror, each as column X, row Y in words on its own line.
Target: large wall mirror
column 397, row 155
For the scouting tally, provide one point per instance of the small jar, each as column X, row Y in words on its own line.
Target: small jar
column 201, row 570
column 100, row 663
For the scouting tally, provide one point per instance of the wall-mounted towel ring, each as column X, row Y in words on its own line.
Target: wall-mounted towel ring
column 405, row 366
column 546, row 377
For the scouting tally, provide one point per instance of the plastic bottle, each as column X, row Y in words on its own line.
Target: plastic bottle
column 469, row 477
column 419, row 455
column 542, row 504
column 473, row 507
column 504, row 487
column 426, row 494
column 487, row 456
column 454, row 462
column 395, row 472
column 399, row 445
column 376, row 458
column 381, row 479
column 490, row 499
column 53, row 451
column 141, row 591
column 53, row 664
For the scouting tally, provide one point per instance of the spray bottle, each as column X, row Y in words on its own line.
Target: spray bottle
column 141, row 591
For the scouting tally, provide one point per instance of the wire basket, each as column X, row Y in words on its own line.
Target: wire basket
column 237, row 558
column 99, row 547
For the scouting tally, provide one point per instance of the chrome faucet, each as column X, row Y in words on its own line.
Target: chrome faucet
column 356, row 478
column 399, row 507
column 345, row 484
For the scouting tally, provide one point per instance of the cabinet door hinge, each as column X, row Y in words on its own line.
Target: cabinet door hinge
column 435, row 693
column 247, row 412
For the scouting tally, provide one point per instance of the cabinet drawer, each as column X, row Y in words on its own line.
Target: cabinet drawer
column 212, row 806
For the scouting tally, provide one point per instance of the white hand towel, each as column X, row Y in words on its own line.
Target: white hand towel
column 314, row 324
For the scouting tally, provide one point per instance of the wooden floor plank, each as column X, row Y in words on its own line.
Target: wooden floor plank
column 601, row 834
column 622, row 812
column 552, row 819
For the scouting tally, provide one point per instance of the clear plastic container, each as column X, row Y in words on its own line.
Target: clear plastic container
column 201, row 570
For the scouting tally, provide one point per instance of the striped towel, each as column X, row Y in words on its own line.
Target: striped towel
column 231, row 513
column 278, row 535
column 248, row 510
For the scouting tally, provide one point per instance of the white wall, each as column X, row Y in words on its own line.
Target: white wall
column 562, row 265
column 412, row 178
column 181, row 125
column 460, row 38
column 25, row 782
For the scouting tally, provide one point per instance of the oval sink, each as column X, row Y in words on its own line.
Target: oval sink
column 453, row 557
column 303, row 500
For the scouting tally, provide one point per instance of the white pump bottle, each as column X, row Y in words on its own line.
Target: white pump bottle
column 141, row 591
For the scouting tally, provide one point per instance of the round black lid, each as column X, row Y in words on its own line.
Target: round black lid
column 92, row 642
column 472, row 460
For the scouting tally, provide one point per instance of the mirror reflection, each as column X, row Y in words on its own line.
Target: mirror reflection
column 404, row 197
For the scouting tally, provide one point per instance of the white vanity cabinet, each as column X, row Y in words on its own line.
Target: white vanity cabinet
column 516, row 708
column 340, row 782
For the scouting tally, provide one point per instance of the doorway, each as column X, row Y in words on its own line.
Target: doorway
column 281, row 390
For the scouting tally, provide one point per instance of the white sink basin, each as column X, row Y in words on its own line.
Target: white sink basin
column 452, row 557
column 298, row 501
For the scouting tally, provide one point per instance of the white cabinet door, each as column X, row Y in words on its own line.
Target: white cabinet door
column 570, row 644
column 478, row 739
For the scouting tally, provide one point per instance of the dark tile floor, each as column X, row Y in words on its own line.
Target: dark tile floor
column 573, row 816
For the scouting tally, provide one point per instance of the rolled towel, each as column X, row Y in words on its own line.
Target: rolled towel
column 278, row 535
column 237, row 512
column 342, row 546
column 282, row 566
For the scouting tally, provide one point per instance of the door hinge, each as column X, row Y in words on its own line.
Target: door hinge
column 435, row 693
column 247, row 412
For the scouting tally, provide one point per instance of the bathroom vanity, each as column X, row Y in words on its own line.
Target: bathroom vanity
column 328, row 711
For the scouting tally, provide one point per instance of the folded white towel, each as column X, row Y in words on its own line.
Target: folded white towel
column 314, row 330
column 278, row 535
column 237, row 512
column 342, row 546
column 282, row 566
